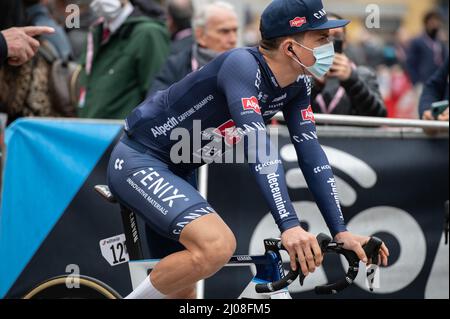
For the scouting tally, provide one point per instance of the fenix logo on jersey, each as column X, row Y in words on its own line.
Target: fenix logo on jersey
column 308, row 115
column 159, row 187
column 251, row 104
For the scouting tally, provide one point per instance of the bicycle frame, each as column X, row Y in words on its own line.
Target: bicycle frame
column 269, row 267
column 267, row 270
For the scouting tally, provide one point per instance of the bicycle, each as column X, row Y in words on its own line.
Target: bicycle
column 269, row 282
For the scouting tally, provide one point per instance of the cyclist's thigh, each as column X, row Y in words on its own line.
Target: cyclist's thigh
column 161, row 246
column 145, row 184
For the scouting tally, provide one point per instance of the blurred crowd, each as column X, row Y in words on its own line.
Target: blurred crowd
column 102, row 58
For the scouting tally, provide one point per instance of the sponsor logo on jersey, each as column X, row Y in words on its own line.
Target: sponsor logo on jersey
column 276, row 106
column 279, row 201
column 280, row 98
column 307, row 81
column 270, row 112
column 118, row 164
column 274, row 81
column 305, row 137
column 261, row 166
column 334, row 193
column 262, row 97
column 156, row 190
column 190, row 217
column 165, row 128
column 195, row 108
column 251, row 104
column 308, row 115
column 229, row 132
column 298, row 22
column 258, row 79
column 320, row 169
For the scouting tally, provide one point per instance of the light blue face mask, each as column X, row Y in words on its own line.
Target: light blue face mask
column 324, row 59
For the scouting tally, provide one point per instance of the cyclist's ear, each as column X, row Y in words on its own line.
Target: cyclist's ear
column 288, row 48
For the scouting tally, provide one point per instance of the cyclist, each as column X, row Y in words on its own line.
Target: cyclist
column 236, row 94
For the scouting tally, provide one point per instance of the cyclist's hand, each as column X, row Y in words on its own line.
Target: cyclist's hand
column 444, row 116
column 355, row 243
column 300, row 243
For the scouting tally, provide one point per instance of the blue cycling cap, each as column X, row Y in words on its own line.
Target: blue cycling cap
column 288, row 17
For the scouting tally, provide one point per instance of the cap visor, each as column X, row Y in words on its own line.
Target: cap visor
column 331, row 24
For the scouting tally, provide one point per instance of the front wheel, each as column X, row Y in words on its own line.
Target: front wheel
column 58, row 288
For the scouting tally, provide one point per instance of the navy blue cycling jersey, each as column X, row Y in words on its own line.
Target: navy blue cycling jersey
column 234, row 95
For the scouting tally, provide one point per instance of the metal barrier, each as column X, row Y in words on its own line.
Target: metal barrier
column 350, row 120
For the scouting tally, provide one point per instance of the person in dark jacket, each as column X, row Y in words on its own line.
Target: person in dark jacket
column 347, row 89
column 216, row 28
column 17, row 44
column 427, row 52
column 179, row 17
column 150, row 8
column 38, row 14
column 435, row 90
column 25, row 89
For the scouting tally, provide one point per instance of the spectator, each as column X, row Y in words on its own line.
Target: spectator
column 426, row 52
column 180, row 14
column 435, row 90
column 37, row 14
column 401, row 46
column 17, row 45
column 216, row 28
column 150, row 8
column 25, row 89
column 347, row 89
column 124, row 52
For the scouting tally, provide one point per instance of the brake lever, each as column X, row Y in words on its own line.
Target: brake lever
column 332, row 247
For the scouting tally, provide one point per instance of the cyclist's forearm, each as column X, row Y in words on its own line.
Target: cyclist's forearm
column 275, row 192
column 321, row 181
column 269, row 173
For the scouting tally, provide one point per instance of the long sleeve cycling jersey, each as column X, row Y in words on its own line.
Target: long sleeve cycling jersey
column 227, row 104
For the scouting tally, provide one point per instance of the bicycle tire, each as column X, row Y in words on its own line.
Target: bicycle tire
column 56, row 288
